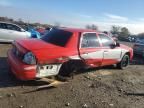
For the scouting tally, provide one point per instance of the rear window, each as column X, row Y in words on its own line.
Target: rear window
column 3, row 26
column 57, row 37
column 13, row 27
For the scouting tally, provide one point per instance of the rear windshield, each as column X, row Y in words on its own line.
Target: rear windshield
column 57, row 37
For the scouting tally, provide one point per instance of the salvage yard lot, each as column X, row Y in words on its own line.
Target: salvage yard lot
column 96, row 88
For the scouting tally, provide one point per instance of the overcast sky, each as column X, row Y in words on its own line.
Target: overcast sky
column 78, row 13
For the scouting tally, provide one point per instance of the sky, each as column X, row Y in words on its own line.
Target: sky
column 78, row 13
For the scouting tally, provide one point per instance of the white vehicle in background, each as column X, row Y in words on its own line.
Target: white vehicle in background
column 10, row 32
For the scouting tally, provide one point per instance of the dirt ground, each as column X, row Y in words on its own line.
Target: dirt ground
column 96, row 88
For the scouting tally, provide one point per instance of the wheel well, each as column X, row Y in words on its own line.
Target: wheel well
column 128, row 53
column 77, row 64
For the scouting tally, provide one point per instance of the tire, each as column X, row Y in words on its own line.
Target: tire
column 124, row 62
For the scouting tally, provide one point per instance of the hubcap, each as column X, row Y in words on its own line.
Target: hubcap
column 125, row 62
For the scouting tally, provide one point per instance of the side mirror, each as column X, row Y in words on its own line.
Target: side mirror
column 117, row 44
column 113, row 45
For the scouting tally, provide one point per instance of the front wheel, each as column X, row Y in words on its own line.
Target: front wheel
column 124, row 62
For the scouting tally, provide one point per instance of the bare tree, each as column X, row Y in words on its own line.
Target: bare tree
column 92, row 27
column 115, row 29
column 57, row 24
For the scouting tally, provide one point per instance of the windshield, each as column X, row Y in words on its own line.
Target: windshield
column 57, row 37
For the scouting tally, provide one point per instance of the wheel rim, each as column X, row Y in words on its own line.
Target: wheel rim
column 125, row 61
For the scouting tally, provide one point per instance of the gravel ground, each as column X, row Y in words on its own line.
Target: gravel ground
column 95, row 88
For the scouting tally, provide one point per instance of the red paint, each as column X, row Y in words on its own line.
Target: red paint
column 41, row 30
column 92, row 62
column 109, row 62
column 17, row 67
column 45, row 51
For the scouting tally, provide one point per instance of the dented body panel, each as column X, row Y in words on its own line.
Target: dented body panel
column 50, row 57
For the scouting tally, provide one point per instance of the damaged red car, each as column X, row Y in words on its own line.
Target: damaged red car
column 63, row 51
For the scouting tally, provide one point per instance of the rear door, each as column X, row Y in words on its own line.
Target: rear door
column 110, row 55
column 90, row 50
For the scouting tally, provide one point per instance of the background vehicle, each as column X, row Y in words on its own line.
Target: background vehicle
column 63, row 51
column 10, row 32
column 132, row 38
column 138, row 47
column 34, row 32
column 46, row 31
column 41, row 30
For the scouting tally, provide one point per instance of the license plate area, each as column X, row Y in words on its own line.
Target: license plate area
column 48, row 70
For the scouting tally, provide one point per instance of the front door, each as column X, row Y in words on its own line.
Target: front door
column 110, row 55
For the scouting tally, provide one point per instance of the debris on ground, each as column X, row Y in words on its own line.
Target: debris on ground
column 11, row 95
column 111, row 105
column 67, row 104
column 85, row 106
column 51, row 83
column 91, row 85
column 21, row 106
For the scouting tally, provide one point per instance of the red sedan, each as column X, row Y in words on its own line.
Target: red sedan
column 63, row 51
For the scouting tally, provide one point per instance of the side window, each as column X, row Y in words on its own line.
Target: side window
column 106, row 41
column 13, row 27
column 2, row 26
column 89, row 40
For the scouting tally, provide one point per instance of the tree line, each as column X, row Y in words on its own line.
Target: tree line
column 21, row 23
column 121, row 32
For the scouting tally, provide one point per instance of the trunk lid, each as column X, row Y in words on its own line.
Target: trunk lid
column 44, row 51
column 35, row 44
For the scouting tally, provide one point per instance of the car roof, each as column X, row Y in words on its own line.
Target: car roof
column 79, row 30
column 8, row 23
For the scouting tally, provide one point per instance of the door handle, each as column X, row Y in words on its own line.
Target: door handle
column 105, row 51
column 85, row 53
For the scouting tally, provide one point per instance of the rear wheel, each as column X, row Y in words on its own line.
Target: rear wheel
column 124, row 62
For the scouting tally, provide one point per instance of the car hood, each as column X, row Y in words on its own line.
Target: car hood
column 42, row 50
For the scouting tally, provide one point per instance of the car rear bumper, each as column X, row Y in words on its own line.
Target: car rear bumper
column 19, row 69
